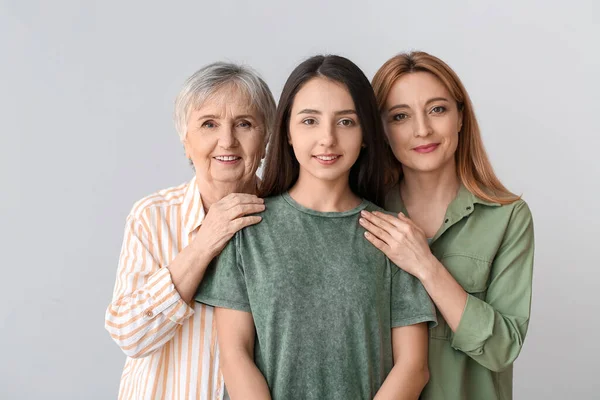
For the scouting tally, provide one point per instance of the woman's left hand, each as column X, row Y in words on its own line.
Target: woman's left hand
column 403, row 242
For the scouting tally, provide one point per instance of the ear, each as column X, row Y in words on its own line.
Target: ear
column 263, row 153
column 460, row 119
column 186, row 148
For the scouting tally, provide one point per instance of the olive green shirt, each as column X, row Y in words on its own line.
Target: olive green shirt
column 488, row 249
column 323, row 299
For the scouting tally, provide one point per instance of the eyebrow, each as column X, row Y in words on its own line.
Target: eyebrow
column 212, row 116
column 311, row 111
column 397, row 106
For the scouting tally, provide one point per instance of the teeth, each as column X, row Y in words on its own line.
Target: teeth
column 327, row 158
column 227, row 158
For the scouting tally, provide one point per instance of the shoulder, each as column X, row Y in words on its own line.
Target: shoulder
column 518, row 210
column 373, row 207
column 276, row 201
column 161, row 199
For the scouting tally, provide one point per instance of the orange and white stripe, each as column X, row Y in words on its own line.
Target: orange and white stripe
column 171, row 346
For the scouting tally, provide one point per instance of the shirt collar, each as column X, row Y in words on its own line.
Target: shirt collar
column 464, row 203
column 192, row 208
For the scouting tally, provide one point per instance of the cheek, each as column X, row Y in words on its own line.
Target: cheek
column 397, row 138
column 253, row 146
column 199, row 146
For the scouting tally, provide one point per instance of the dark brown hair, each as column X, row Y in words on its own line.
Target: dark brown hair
column 367, row 175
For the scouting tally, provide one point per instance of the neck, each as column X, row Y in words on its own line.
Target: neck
column 323, row 195
column 429, row 188
column 213, row 191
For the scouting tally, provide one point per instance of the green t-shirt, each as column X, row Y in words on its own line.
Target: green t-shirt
column 323, row 299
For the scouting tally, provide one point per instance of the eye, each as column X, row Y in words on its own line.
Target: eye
column 209, row 124
column 438, row 109
column 346, row 122
column 399, row 117
column 309, row 121
column 245, row 124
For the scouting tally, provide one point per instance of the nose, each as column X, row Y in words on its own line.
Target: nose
column 227, row 138
column 328, row 136
column 422, row 126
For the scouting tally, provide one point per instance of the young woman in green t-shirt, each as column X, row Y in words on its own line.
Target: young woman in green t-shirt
column 306, row 308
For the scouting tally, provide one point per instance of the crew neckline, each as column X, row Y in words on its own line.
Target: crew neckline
column 327, row 214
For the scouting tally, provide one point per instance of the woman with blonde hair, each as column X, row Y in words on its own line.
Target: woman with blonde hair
column 458, row 229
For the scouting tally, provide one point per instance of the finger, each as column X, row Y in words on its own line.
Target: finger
column 380, row 244
column 376, row 219
column 242, row 222
column 392, row 219
column 405, row 219
column 375, row 230
column 244, row 209
column 409, row 222
column 233, row 199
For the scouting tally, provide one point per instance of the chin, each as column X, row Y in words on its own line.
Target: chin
column 228, row 178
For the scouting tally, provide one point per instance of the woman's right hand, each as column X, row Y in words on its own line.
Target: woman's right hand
column 224, row 219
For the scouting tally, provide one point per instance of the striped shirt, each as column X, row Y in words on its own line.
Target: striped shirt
column 171, row 346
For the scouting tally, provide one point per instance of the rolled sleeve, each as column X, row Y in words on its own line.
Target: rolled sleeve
column 162, row 287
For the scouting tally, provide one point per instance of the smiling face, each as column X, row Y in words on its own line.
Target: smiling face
column 225, row 138
column 324, row 131
column 422, row 122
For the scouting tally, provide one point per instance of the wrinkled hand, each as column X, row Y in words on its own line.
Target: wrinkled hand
column 403, row 242
column 224, row 219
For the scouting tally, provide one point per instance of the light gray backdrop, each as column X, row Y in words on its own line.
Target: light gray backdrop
column 86, row 95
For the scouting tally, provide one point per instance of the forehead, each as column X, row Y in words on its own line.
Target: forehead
column 417, row 87
column 229, row 99
column 323, row 94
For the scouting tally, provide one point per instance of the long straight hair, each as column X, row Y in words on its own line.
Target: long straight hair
column 367, row 175
column 472, row 163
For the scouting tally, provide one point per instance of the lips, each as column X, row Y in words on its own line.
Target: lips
column 227, row 159
column 327, row 159
column 427, row 148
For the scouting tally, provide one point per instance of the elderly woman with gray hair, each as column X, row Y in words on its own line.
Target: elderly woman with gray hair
column 223, row 115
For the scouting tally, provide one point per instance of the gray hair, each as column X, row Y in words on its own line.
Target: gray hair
column 207, row 80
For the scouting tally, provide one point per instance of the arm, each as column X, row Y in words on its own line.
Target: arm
column 410, row 373
column 243, row 379
column 492, row 331
column 146, row 308
column 150, row 302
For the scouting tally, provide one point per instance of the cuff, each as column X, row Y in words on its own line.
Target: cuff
column 475, row 327
column 164, row 298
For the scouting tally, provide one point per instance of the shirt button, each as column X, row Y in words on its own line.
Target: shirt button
column 149, row 314
column 468, row 208
column 446, row 221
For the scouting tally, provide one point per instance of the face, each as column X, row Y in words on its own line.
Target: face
column 422, row 122
column 324, row 130
column 225, row 138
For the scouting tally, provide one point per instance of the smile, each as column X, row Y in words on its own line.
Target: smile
column 327, row 159
column 227, row 159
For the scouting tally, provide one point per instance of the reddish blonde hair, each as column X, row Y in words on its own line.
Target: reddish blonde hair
column 472, row 163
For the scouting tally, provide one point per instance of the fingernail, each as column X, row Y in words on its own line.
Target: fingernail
column 363, row 212
column 361, row 220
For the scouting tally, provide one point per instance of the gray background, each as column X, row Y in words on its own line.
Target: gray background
column 86, row 95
